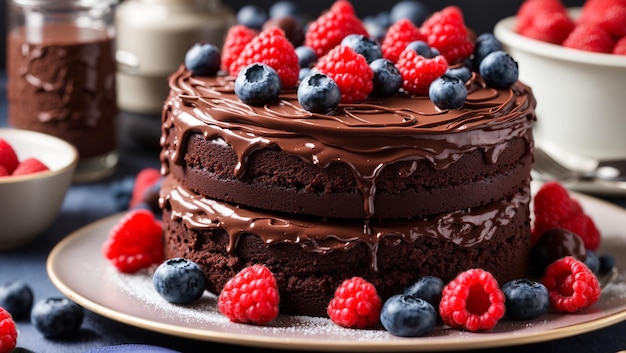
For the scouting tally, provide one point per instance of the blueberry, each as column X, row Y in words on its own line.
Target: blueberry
column 593, row 262
column 407, row 316
column 304, row 73
column 363, row 45
column 416, row 11
column 448, row 92
column 428, row 288
column 306, row 56
column 485, row 44
column 179, row 281
column 421, row 47
column 16, row 297
column 318, row 93
column 257, row 84
column 499, row 69
column 387, row 79
column 461, row 72
column 374, row 28
column 203, row 59
column 252, row 16
column 607, row 262
column 525, row 299
column 282, row 9
column 57, row 317
column 122, row 191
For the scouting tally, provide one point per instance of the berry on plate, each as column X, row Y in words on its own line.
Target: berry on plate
column 179, row 281
column 552, row 245
column 428, row 288
column 203, row 59
column 8, row 332
column 350, row 71
column 17, row 298
column 57, row 317
column 356, row 304
column 144, row 180
column 571, row 285
column 408, row 316
column 318, row 93
column 257, row 84
column 525, row 299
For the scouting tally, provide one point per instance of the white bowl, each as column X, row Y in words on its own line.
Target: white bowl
column 30, row 203
column 580, row 95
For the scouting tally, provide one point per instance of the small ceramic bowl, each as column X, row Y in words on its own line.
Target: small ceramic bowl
column 30, row 203
column 580, row 95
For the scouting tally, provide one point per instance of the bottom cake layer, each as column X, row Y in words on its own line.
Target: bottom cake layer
column 310, row 258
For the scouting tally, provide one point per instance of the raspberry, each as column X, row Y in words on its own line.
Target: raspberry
column 29, row 166
column 550, row 27
column 590, row 37
column 272, row 48
column 251, row 297
column 4, row 171
column 236, row 39
column 350, row 71
column 571, row 285
column 143, row 181
column 608, row 14
column 356, row 304
column 8, row 332
column 398, row 36
column 472, row 301
column 620, row 46
column 530, row 9
column 328, row 30
column 446, row 31
column 135, row 242
column 8, row 157
column 419, row 72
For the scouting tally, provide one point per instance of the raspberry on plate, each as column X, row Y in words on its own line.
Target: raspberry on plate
column 571, row 285
column 350, row 71
column 8, row 332
column 356, row 304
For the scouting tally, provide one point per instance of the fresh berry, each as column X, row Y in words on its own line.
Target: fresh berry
column 328, row 30
column 144, row 179
column 30, row 165
column 3, row 171
column 472, row 301
column 318, row 93
column 408, row 316
column 293, row 29
column 592, row 261
column 236, row 39
column 387, row 79
column 484, row 45
column 251, row 16
column 415, row 11
column 281, row 9
column 419, row 72
column 8, row 157
column 620, row 46
column 525, row 299
column 553, row 244
column 121, row 192
column 499, row 69
column 571, row 285
column 448, row 92
column 258, row 84
column 398, row 36
column 428, row 288
column 17, row 298
column 151, row 196
column 590, row 37
column 545, row 20
column 446, row 31
column 363, row 45
column 251, row 297
column 350, row 71
column 203, row 59
column 179, row 281
column 304, row 73
column 57, row 317
column 608, row 14
column 463, row 73
column 355, row 304
column 306, row 56
column 607, row 262
column 135, row 242
column 375, row 28
column 8, row 332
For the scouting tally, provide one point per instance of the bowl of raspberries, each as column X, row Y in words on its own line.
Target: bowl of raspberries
column 36, row 171
column 575, row 61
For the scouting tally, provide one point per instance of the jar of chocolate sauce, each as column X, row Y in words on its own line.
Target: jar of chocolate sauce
column 61, row 74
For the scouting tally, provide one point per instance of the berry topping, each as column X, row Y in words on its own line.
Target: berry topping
column 251, row 297
column 499, row 69
column 448, row 92
column 350, row 71
column 446, row 31
column 525, row 299
column 463, row 73
column 428, row 288
column 485, row 44
column 29, row 166
column 418, row 72
column 306, row 56
column 590, row 37
column 17, row 298
column 318, row 93
column 408, row 316
column 8, row 157
column 422, row 48
column 179, row 281
column 387, row 79
column 57, row 317
column 415, row 11
column 236, row 39
column 8, row 332
column 472, row 301
column 328, row 30
column 203, row 59
column 398, row 36
column 257, row 84
column 571, row 285
column 363, row 45
column 251, row 16
column 135, row 242
column 273, row 49
column 356, row 304
column 143, row 181
column 552, row 245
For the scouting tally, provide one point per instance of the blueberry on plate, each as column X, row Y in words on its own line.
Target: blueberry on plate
column 407, row 316
column 257, row 84
column 499, row 69
column 203, row 59
column 428, row 288
column 448, row 92
column 363, row 45
column 485, row 44
column 387, row 79
column 592, row 261
column 607, row 262
column 57, row 317
column 179, row 281
column 318, row 93
column 16, row 297
column 525, row 299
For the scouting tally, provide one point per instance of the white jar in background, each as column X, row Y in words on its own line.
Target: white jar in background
column 152, row 39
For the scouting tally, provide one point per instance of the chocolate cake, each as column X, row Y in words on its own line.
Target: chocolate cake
column 390, row 189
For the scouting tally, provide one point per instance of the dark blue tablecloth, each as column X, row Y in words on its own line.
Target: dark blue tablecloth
column 86, row 203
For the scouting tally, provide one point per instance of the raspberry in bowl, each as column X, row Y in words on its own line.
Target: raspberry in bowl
column 38, row 170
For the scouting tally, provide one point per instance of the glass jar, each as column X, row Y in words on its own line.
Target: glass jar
column 61, row 73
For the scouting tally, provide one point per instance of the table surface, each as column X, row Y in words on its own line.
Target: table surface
column 86, row 203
